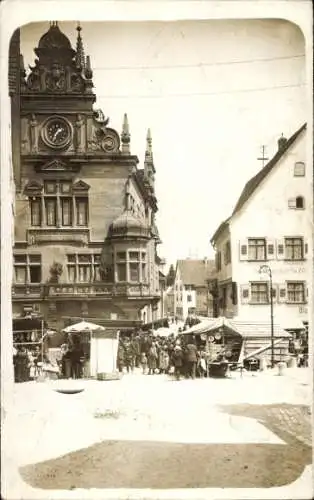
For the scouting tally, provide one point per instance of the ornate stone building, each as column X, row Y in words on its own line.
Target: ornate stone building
column 85, row 233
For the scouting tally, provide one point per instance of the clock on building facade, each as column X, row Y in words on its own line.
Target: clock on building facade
column 57, row 132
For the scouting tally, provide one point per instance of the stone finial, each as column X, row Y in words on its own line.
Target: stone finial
column 88, row 68
column 149, row 149
column 125, row 135
column 149, row 168
column 79, row 57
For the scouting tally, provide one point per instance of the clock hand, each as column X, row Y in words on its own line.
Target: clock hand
column 57, row 133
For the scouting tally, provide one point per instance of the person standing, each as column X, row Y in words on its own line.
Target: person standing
column 120, row 357
column 137, row 351
column 152, row 359
column 191, row 359
column 163, row 360
column 144, row 363
column 177, row 361
column 128, row 356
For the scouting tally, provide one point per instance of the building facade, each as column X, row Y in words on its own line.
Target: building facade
column 270, row 226
column 190, row 288
column 85, row 232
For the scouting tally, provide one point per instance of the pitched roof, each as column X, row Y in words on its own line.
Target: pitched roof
column 255, row 181
column 222, row 226
column 195, row 271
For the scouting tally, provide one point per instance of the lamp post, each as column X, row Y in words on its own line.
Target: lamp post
column 266, row 269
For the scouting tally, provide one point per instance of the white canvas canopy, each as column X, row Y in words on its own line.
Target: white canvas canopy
column 211, row 324
column 82, row 326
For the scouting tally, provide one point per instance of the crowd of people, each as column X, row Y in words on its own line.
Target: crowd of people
column 168, row 355
column 27, row 363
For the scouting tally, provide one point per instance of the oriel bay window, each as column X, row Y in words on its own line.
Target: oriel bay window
column 131, row 266
column 27, row 268
column 59, row 203
column 83, row 268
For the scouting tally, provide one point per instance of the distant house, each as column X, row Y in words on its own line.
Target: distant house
column 169, row 301
column 190, row 289
column 271, row 227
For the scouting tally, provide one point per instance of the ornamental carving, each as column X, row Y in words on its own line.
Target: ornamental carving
column 105, row 139
column 55, row 78
column 45, row 236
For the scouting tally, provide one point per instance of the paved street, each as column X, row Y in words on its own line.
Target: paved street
column 250, row 432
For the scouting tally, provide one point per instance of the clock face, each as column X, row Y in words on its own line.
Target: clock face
column 57, row 132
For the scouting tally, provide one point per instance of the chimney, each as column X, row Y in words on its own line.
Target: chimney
column 282, row 141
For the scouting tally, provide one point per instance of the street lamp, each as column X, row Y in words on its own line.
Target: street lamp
column 266, row 269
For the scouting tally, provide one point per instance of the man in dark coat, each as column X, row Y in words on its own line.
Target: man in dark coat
column 177, row 361
column 191, row 358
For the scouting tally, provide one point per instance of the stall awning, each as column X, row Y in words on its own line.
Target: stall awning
column 247, row 329
column 83, row 326
column 212, row 324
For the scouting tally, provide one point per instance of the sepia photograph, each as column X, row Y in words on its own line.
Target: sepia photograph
column 156, row 250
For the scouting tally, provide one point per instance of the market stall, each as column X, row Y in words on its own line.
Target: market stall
column 239, row 342
column 29, row 347
column 98, row 346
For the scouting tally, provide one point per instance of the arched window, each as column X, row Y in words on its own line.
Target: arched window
column 299, row 202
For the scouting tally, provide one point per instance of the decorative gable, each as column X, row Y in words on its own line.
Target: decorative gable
column 56, row 166
column 80, row 186
column 32, row 188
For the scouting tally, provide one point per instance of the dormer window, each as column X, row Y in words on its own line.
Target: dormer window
column 299, row 169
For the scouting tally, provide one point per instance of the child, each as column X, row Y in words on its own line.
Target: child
column 144, row 362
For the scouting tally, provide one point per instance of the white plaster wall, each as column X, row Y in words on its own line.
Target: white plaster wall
column 267, row 215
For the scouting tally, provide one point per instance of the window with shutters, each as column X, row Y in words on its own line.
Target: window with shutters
column 59, row 203
column 296, row 203
column 299, row 169
column 296, row 292
column 27, row 268
column 259, row 293
column 83, row 268
column 294, row 248
column 257, row 249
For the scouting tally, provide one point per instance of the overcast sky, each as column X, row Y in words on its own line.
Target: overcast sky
column 212, row 92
